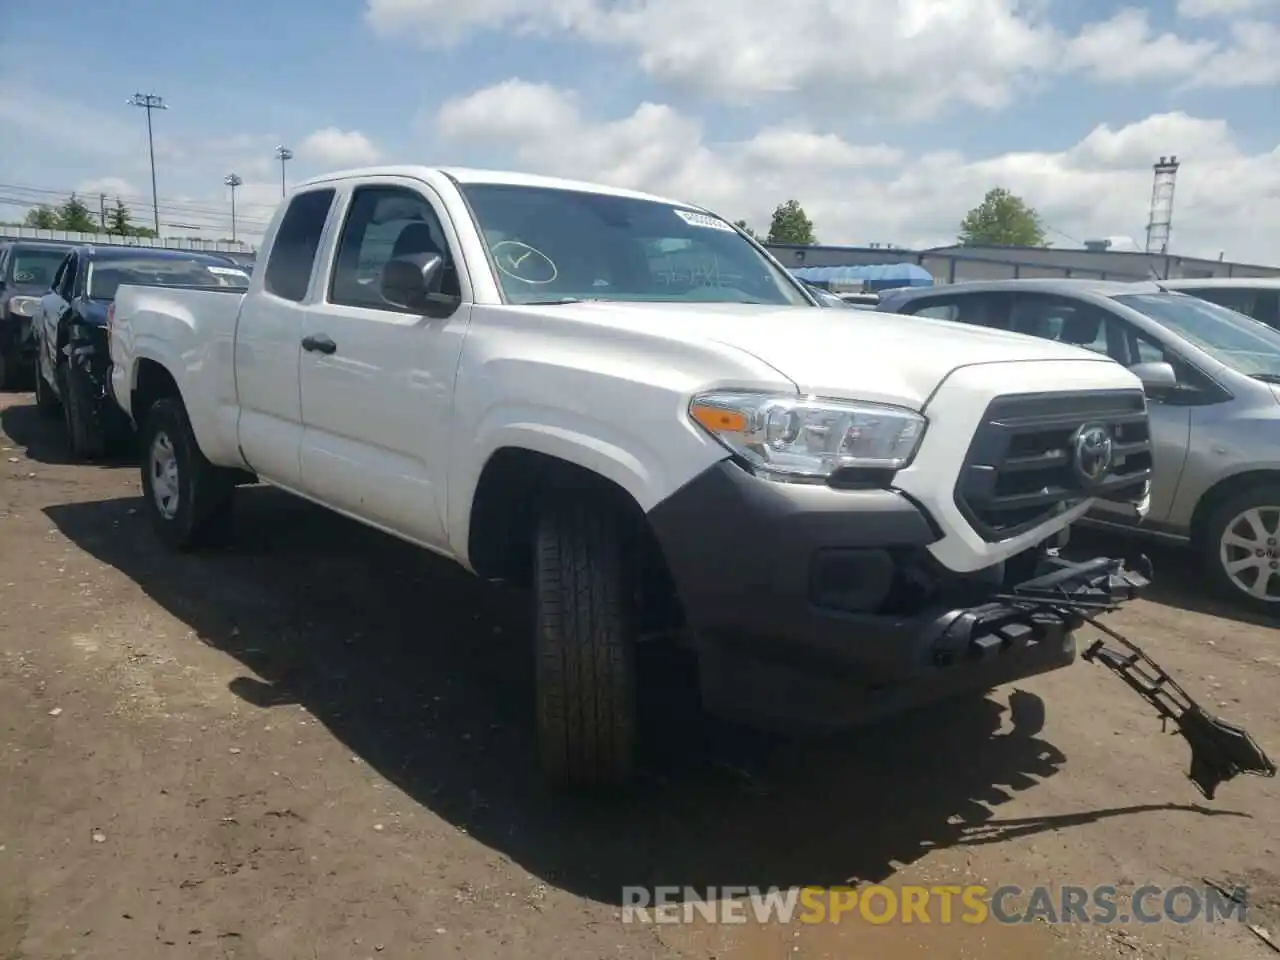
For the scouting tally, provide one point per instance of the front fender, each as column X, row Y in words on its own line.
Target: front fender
column 621, row 455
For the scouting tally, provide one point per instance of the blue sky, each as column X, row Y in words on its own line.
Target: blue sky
column 886, row 120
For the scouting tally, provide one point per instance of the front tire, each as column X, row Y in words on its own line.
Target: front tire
column 11, row 370
column 587, row 624
column 86, row 437
column 188, row 498
column 1241, row 549
column 47, row 403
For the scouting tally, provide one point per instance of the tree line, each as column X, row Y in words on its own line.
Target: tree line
column 1002, row 219
column 73, row 214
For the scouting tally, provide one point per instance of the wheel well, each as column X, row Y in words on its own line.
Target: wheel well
column 154, row 383
column 504, row 515
column 1223, row 490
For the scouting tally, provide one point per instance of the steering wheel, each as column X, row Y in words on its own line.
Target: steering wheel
column 520, row 261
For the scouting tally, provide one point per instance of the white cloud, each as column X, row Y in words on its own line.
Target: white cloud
column 1126, row 48
column 1206, row 9
column 1253, row 60
column 1226, row 199
column 339, row 148
column 109, row 187
column 900, row 59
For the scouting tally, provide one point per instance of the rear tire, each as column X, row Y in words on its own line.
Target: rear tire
column 188, row 498
column 86, row 437
column 586, row 622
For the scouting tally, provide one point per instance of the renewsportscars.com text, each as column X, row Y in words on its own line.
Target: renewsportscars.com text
column 943, row 904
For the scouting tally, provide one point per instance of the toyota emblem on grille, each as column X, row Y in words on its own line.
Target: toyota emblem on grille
column 1094, row 452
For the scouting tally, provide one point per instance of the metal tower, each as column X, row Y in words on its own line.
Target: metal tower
column 1160, row 221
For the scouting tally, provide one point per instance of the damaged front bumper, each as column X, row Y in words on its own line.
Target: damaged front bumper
column 88, row 359
column 822, row 608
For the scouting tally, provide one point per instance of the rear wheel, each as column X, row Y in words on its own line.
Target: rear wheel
column 1241, row 549
column 188, row 499
column 587, row 625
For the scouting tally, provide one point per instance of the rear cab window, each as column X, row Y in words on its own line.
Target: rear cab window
column 293, row 251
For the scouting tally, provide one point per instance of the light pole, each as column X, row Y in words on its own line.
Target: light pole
column 233, row 180
column 150, row 102
column 284, row 155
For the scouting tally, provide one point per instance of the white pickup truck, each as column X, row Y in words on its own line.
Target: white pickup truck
column 626, row 404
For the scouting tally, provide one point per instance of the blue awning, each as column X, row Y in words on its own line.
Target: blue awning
column 875, row 275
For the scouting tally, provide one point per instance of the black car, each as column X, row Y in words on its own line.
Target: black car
column 26, row 274
column 73, row 362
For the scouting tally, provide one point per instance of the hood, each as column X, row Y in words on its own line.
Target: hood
column 13, row 289
column 853, row 354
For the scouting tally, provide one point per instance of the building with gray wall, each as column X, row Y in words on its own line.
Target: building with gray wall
column 955, row 263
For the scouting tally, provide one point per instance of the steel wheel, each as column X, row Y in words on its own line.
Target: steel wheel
column 1249, row 551
column 163, row 464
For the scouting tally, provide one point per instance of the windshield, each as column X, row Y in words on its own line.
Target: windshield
column 105, row 276
column 1231, row 338
column 557, row 245
column 35, row 266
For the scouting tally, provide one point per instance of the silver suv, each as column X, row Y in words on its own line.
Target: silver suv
column 1212, row 379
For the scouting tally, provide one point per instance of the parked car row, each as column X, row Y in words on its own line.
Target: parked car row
column 28, row 270
column 624, row 404
column 63, row 343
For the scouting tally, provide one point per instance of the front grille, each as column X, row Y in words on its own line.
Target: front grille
column 1022, row 467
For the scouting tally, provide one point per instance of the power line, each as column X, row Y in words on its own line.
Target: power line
column 49, row 194
column 193, row 214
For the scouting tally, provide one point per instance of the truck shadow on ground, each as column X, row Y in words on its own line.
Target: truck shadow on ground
column 45, row 440
column 425, row 673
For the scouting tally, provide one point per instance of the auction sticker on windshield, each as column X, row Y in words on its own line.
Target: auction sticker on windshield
column 702, row 220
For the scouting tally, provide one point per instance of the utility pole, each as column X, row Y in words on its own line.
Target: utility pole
column 102, row 211
column 233, row 180
column 284, row 155
column 150, row 102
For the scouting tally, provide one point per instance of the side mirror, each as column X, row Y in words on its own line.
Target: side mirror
column 408, row 281
column 1156, row 377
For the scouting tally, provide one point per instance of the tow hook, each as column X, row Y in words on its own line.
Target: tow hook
column 1078, row 593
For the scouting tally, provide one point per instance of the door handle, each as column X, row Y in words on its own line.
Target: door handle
column 319, row 343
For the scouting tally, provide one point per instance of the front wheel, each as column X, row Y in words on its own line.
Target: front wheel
column 188, row 498
column 586, row 623
column 47, row 403
column 11, row 369
column 86, row 435
column 1242, row 549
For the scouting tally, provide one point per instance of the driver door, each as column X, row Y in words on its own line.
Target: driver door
column 376, row 379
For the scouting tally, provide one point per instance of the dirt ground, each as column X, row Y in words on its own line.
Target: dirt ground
column 316, row 744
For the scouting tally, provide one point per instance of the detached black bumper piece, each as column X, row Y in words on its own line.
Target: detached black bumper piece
column 1220, row 751
column 812, row 606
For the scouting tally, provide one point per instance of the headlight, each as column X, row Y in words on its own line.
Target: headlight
column 23, row 306
column 809, row 438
